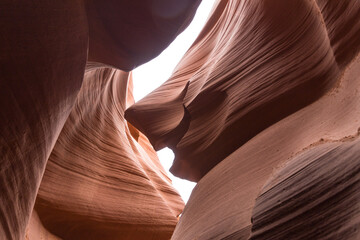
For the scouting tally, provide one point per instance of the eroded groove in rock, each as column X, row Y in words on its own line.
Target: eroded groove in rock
column 43, row 52
column 263, row 82
column 269, row 58
column 222, row 202
column 315, row 196
column 126, row 34
column 36, row 231
column 42, row 60
column 343, row 26
column 101, row 182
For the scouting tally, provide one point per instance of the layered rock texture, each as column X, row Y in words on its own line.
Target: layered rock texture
column 44, row 47
column 254, row 63
column 262, row 111
column 264, row 81
column 103, row 179
column 43, row 50
column 318, row 189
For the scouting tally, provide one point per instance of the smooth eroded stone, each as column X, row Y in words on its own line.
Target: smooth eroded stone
column 254, row 63
column 103, row 179
column 221, row 204
column 126, row 34
column 43, row 50
column 315, row 196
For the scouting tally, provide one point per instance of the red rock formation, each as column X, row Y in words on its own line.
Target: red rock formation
column 103, row 179
column 43, row 51
column 36, row 230
column 255, row 63
column 221, row 204
column 131, row 33
column 266, row 88
column 263, row 81
column 315, row 196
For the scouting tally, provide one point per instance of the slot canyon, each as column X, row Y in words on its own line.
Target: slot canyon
column 262, row 112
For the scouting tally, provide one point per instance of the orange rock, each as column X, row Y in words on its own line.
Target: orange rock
column 43, row 52
column 255, row 63
column 101, row 182
column 221, row 204
column 269, row 90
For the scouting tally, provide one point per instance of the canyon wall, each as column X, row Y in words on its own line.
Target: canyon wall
column 264, row 82
column 262, row 112
column 103, row 179
column 44, row 47
column 42, row 58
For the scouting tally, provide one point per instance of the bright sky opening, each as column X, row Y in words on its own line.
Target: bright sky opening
column 152, row 74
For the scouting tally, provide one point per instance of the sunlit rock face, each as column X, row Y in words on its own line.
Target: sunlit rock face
column 103, row 179
column 254, row 63
column 263, row 88
column 43, row 51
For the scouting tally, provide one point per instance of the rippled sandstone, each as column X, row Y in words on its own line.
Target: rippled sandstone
column 44, row 47
column 262, row 111
column 263, row 82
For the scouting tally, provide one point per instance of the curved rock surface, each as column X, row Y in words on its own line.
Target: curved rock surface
column 36, row 230
column 255, row 63
column 103, row 179
column 126, row 34
column 263, row 111
column 42, row 62
column 315, row 196
column 43, row 53
column 221, row 204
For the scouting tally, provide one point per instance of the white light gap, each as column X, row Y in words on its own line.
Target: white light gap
column 152, row 74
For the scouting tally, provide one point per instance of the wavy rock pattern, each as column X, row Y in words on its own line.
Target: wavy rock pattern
column 255, row 63
column 315, row 196
column 42, row 62
column 43, row 53
column 223, row 200
column 103, row 179
column 221, row 204
column 262, row 111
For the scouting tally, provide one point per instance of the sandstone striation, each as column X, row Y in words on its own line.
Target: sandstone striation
column 103, row 179
column 263, row 81
column 315, row 196
column 255, row 63
column 221, row 204
column 263, row 111
column 42, row 62
column 43, row 52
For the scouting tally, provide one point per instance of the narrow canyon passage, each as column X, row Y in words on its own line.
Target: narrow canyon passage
column 253, row 106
